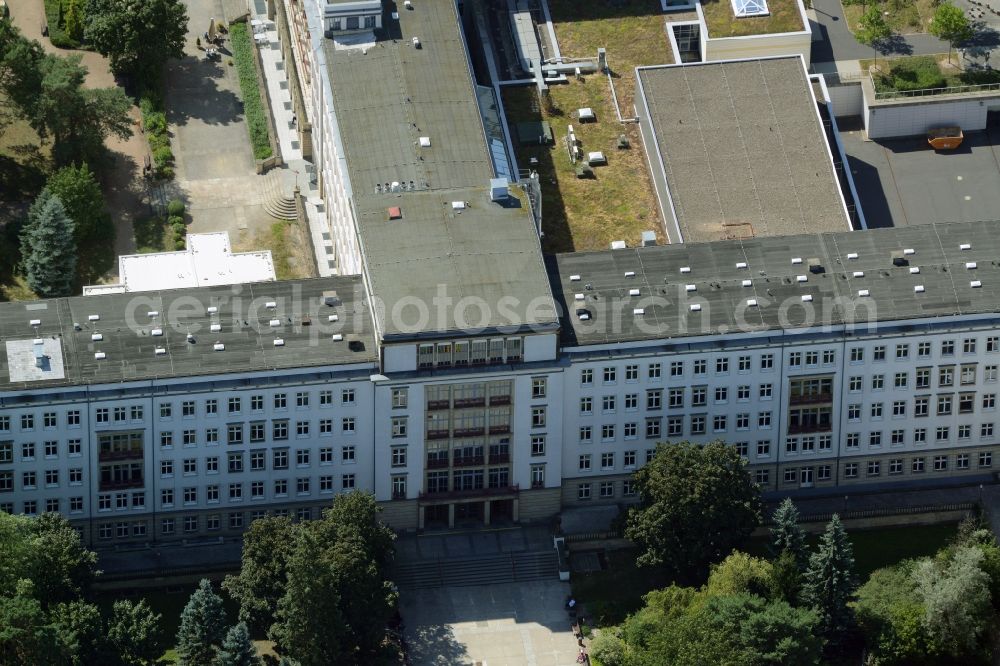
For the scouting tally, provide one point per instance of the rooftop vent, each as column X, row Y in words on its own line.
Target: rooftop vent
column 458, row 205
column 741, row 264
column 807, row 298
column 274, row 323
column 215, row 328
column 796, row 260
column 638, row 312
column 618, row 245
column 975, row 284
column 685, row 270
column 633, row 292
column 695, row 307
column 648, row 238
column 278, row 342
column 159, row 351
column 97, row 337
column 852, row 255
column 859, row 274
column 970, row 265
column 914, row 270
column 630, row 274
column 93, row 317
column 690, row 287
column 218, row 346
column 752, row 302
column 333, row 317
column 408, row 4
column 416, row 42
column 424, row 141
column 156, row 332
column 863, row 293
column 919, row 289
column 578, row 297
column 908, row 251
column 270, row 305
column 38, row 349
column 499, row 189
column 815, row 266
column 212, row 309
column 337, row 337
column 395, row 213
column 964, row 246
column 190, row 338
column 574, row 278
column 100, row 355
column 897, row 258
column 153, row 313
column 35, row 322
column 747, row 283
column 801, row 278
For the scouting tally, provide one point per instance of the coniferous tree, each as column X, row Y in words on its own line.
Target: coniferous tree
column 237, row 648
column 829, row 581
column 49, row 248
column 787, row 534
column 203, row 627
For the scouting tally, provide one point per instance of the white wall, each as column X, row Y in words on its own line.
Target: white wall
column 917, row 117
column 846, row 100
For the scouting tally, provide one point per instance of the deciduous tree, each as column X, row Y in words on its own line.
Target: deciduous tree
column 956, row 600
column 950, row 24
column 135, row 633
column 138, row 36
column 696, row 504
column 875, row 30
column 262, row 577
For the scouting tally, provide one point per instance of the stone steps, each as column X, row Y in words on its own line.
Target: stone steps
column 278, row 201
column 481, row 570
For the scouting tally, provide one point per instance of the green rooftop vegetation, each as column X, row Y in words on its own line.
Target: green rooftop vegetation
column 903, row 16
column 931, row 72
column 784, row 16
column 619, row 201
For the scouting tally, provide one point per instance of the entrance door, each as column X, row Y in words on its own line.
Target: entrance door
column 502, row 511
column 436, row 517
column 806, row 477
column 469, row 513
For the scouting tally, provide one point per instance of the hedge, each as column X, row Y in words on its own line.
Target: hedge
column 154, row 122
column 53, row 17
column 253, row 108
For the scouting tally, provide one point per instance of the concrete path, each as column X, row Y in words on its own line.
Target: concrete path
column 837, row 42
column 513, row 624
column 297, row 169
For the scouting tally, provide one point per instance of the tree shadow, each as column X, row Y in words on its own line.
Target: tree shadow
column 435, row 645
column 193, row 93
column 895, row 44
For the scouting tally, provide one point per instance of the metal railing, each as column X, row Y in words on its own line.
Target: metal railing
column 926, row 92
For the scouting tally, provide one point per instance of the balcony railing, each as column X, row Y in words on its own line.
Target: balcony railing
column 437, row 434
column 475, row 492
column 433, row 405
column 498, row 458
column 811, row 399
column 469, row 402
column 500, row 429
column 398, row 495
column 437, row 463
column 119, row 485
column 499, row 400
column 809, row 427
column 119, row 455
column 470, row 432
column 467, row 461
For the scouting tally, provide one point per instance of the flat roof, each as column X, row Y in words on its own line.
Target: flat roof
column 207, row 260
column 387, row 97
column 856, row 281
column 741, row 148
column 75, row 330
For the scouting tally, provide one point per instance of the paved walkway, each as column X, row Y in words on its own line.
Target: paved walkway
column 413, row 548
column 513, row 624
column 837, row 42
column 297, row 169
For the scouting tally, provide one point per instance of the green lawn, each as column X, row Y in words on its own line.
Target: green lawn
column 904, row 16
column 784, row 16
column 613, row 593
column 926, row 72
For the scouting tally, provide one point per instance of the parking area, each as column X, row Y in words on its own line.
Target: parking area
column 512, row 624
column 903, row 181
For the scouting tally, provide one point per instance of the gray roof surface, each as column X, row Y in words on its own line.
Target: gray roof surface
column 719, row 290
column 246, row 331
column 742, row 148
column 386, row 98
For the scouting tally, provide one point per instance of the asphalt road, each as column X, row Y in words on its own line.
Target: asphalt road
column 838, row 43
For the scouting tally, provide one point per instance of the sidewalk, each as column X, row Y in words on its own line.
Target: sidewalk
column 288, row 143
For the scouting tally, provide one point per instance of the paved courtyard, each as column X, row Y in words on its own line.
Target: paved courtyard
column 513, row 624
column 903, row 181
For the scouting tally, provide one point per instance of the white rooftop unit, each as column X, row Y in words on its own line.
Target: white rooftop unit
column 919, row 288
column 215, row 328
column 218, row 346
column 275, row 323
column 807, row 298
column 97, row 337
column 159, row 351
column 278, row 342
column 648, row 238
column 638, row 312
column 499, row 189
column 618, row 245
column 100, row 355
column 750, row 7
column 458, row 205
column 337, row 337
column 35, row 322
column 633, row 292
column 630, row 274
column 425, row 142
column 156, row 332
column 695, row 307
column 596, row 157
column 586, row 113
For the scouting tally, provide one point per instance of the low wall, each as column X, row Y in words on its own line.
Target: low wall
column 913, row 116
column 759, row 46
column 846, row 99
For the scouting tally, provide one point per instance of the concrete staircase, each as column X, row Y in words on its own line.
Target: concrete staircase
column 477, row 570
column 279, row 200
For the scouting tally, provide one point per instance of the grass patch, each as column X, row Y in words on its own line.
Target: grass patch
column 253, row 107
column 926, row 73
column 289, row 246
column 619, row 203
column 905, row 17
column 615, row 592
column 784, row 17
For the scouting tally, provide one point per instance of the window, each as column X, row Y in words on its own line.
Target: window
column 721, row 365
column 795, row 359
column 899, row 408
column 302, row 485
column 190, row 496
column 399, row 456
column 101, row 415
column 586, row 434
column 875, row 439
column 900, row 380
column 990, row 373
column 538, row 387
column 764, row 420
column 628, row 488
column 962, row 461
column 234, row 405
column 399, row 426
column 235, row 460
column 212, row 494
column 677, row 368
column 699, row 396
column 280, row 401
column 876, row 410
column 921, row 405
column 923, row 378
column 607, row 488
column 917, row 465
column 607, row 432
column 878, row 353
column 944, row 404
column 347, row 482
column 212, row 436
column 878, row 382
column 586, row 377
column 302, row 399
column 968, row 374
column 986, row 431
column 989, row 400
column 399, row 398
column 347, row 454
column 586, row 406
column 583, row 491
column 654, row 399
column 675, row 426
column 537, row 476
column 628, row 459
column 187, row 408
column 762, row 477
column 851, row 470
column 919, row 435
column 744, row 364
column 857, row 355
column 765, row 391
column 653, row 428
column 234, row 433
column 895, row 466
column 985, row 458
column 923, row 349
column 791, row 475
column 719, row 423
column 898, row 437
column 538, row 417
column 743, row 393
column 538, row 445
column 942, row 434
column 608, row 404
column 631, row 373
column 631, row 402
column 166, row 410
column 940, row 463
column 190, row 466
column 347, row 424
column 969, row 346
column 948, row 348
column 763, row 448
column 653, row 372
column 609, row 375
column 721, row 395
column 700, row 366
column 902, row 351
column 854, row 384
column 631, row 430
column 874, row 468
column 697, row 424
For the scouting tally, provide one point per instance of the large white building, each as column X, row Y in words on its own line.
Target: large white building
column 462, row 378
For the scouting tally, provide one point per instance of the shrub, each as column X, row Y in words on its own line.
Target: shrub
column 154, row 120
column 175, row 208
column 165, row 172
column 176, row 221
column 163, row 156
column 253, row 107
column 54, row 17
column 918, row 73
column 608, row 649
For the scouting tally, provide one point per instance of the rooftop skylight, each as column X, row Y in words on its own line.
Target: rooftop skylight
column 750, row 7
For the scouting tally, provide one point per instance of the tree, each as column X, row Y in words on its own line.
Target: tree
column 696, row 504
column 875, row 30
column 72, row 20
column 26, row 635
column 956, row 600
column 740, row 573
column 81, row 195
column 829, row 580
column 787, row 534
column 138, row 36
column 262, row 577
column 60, row 566
column 203, row 626
column 890, row 614
column 81, row 631
column 950, row 24
column 237, row 648
column 48, row 248
column 135, row 633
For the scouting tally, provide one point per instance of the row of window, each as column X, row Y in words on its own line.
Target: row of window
column 280, row 460
column 946, row 406
column 32, row 480
column 897, row 437
column 939, row 463
column 945, row 377
column 255, row 490
column 675, row 398
column 676, row 369
column 605, row 489
column 258, row 431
